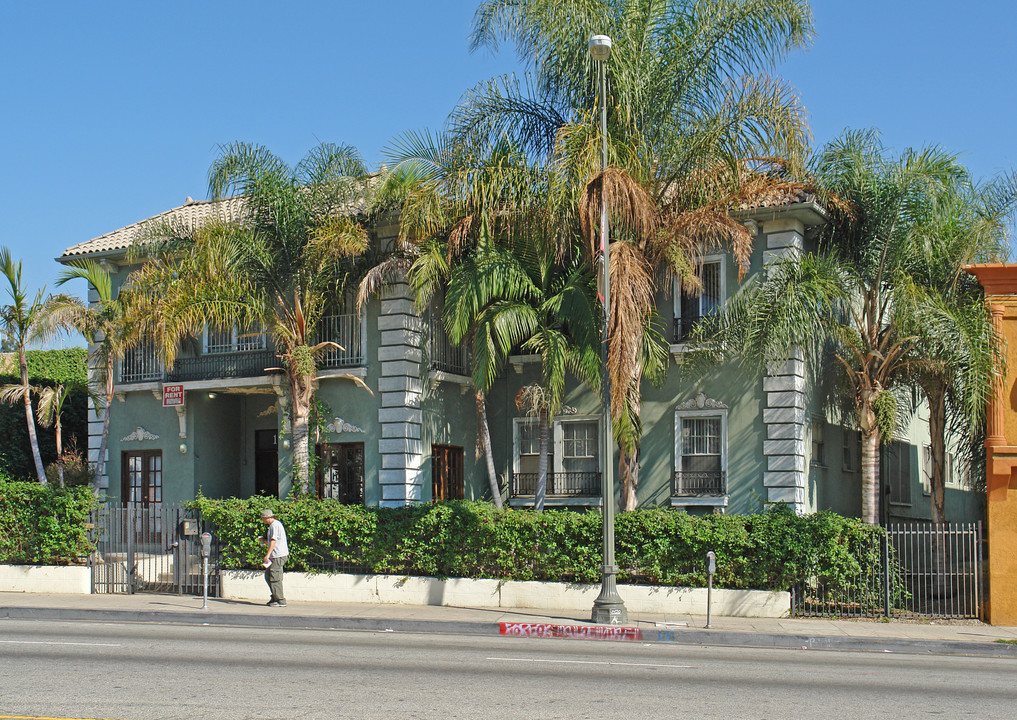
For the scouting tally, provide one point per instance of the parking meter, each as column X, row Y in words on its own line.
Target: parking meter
column 206, row 551
column 711, row 569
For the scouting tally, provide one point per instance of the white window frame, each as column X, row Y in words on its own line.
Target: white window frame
column 234, row 342
column 557, row 439
column 680, row 415
column 721, row 260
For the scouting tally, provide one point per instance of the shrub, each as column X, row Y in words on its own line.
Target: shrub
column 42, row 524
column 771, row 550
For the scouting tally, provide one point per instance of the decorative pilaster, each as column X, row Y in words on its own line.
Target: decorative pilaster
column 786, row 475
column 399, row 417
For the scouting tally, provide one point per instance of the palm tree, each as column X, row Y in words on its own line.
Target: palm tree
column 957, row 352
column 296, row 248
column 21, row 322
column 848, row 298
column 109, row 326
column 694, row 128
column 51, row 407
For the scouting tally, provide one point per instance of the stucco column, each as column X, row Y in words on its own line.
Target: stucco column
column 784, row 416
column 995, row 434
column 399, row 418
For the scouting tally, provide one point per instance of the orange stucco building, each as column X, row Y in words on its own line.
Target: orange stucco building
column 1000, row 283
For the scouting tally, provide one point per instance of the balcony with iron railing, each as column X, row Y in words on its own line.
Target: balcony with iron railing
column 559, row 485
column 444, row 356
column 223, row 366
column 345, row 331
column 699, row 484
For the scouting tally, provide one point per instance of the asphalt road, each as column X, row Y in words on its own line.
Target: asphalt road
column 159, row 672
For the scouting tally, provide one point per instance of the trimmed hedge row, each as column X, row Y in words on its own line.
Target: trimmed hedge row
column 42, row 524
column 771, row 550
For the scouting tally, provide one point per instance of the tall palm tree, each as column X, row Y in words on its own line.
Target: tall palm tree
column 301, row 242
column 21, row 322
column 848, row 297
column 957, row 353
column 108, row 325
column 694, row 128
column 51, row 407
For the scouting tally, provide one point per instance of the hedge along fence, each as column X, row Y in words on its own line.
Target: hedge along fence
column 44, row 525
column 771, row 551
column 45, row 367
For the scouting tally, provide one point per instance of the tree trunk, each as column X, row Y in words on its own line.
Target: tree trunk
column 541, row 491
column 628, row 471
column 301, row 449
column 937, row 483
column 870, row 476
column 937, row 439
column 30, row 417
column 485, row 440
column 60, row 451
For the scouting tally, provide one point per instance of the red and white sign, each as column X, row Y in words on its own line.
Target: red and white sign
column 588, row 632
column 172, row 395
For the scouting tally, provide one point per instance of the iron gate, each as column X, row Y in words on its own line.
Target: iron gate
column 154, row 548
column 913, row 571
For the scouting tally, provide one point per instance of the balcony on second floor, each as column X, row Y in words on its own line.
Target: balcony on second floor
column 560, row 485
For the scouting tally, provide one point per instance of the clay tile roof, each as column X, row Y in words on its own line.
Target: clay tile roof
column 778, row 198
column 191, row 213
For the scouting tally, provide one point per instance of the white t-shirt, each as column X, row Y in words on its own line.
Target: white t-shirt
column 277, row 532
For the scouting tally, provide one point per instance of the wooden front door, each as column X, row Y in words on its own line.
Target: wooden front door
column 446, row 472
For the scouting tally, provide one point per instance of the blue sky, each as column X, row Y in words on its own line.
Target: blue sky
column 112, row 112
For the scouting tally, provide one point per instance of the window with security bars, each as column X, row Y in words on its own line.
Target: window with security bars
column 340, row 473
column 897, row 471
column 700, row 452
column 446, row 472
column 694, row 307
column 141, row 477
column 219, row 340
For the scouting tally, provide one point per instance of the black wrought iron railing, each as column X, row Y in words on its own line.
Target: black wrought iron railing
column 224, row 365
column 683, row 327
column 344, row 330
column 560, row 484
column 444, row 356
column 691, row 484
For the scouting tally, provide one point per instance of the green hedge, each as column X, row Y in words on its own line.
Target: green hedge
column 43, row 525
column 45, row 367
column 772, row 550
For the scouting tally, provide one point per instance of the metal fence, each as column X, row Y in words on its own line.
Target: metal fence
column 150, row 549
column 560, row 484
column 914, row 571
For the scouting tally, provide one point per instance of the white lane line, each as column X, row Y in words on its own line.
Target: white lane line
column 588, row 662
column 54, row 642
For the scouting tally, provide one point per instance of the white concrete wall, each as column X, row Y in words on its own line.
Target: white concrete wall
column 460, row 592
column 45, row 579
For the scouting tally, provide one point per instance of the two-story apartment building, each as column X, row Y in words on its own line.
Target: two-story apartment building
column 217, row 420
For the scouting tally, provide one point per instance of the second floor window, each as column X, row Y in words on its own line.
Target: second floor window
column 218, row 340
column 700, row 454
column 689, row 309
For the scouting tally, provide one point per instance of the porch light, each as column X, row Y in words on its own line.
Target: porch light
column 183, row 448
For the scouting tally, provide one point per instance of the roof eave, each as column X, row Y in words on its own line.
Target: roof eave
column 810, row 213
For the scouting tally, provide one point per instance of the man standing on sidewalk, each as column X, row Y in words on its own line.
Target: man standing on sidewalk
column 275, row 557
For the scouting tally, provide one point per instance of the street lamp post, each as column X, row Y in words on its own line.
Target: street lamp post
column 608, row 608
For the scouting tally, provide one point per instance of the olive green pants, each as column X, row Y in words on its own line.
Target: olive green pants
column 274, row 578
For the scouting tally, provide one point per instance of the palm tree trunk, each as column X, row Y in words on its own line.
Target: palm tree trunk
column 301, row 449
column 60, row 451
column 937, row 483
column 30, row 417
column 485, row 439
column 541, row 490
column 628, row 470
column 870, row 476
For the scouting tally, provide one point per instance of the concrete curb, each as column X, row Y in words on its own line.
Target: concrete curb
column 668, row 635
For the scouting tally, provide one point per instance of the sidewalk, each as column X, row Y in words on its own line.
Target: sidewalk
column 860, row 635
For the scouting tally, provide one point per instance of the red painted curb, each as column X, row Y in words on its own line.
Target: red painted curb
column 586, row 632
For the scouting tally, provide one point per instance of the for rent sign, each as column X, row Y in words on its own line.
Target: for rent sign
column 172, row 395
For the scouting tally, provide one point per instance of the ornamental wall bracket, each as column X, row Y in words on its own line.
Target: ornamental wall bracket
column 701, row 402
column 138, row 435
column 338, row 425
column 181, row 421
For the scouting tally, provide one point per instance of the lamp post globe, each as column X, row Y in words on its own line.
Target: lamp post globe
column 608, row 608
